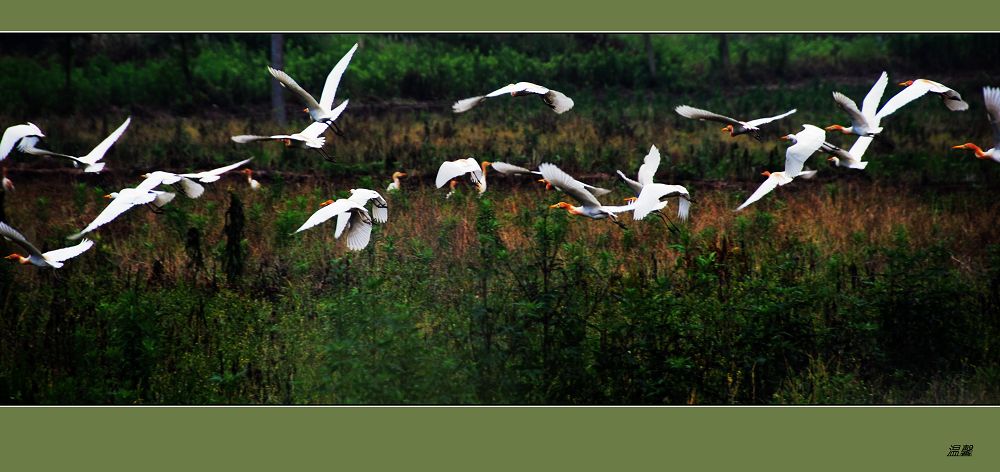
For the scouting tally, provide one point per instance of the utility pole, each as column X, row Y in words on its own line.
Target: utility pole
column 277, row 91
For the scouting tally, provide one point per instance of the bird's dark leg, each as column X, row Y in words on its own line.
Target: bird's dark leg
column 336, row 129
column 666, row 219
column 614, row 219
column 324, row 154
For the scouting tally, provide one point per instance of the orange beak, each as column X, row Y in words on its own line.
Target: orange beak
column 784, row 138
column 960, row 146
column 766, row 173
column 328, row 202
column 305, row 110
column 906, row 84
column 830, row 158
column 13, row 256
column 402, row 174
column 108, row 196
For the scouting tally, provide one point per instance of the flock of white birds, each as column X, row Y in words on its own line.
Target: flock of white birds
column 355, row 220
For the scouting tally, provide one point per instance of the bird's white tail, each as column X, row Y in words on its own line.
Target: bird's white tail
column 466, row 104
column 94, row 168
column 683, row 205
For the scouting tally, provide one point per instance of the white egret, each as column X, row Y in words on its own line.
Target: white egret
column 591, row 207
column 394, row 185
column 557, row 101
column 309, row 138
column 122, row 201
column 805, row 143
column 734, row 126
column 864, row 122
column 90, row 161
column 53, row 259
column 351, row 216
column 321, row 111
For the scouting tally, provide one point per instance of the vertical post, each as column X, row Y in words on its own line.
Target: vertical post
column 277, row 91
column 650, row 58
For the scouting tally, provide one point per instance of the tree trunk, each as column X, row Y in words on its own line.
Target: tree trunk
column 723, row 57
column 650, row 58
column 277, row 91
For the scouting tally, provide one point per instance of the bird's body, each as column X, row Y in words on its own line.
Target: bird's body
column 91, row 160
column 352, row 217
column 734, row 126
column 918, row 88
column 555, row 100
column 53, row 259
column 591, row 207
column 864, row 122
column 321, row 111
column 453, row 169
column 991, row 96
column 394, row 185
column 805, row 143
column 8, row 185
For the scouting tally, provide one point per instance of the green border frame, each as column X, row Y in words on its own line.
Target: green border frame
column 508, row 15
column 496, row 438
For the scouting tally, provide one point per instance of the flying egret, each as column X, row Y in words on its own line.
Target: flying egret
column 122, row 201
column 53, row 259
column 309, row 138
column 650, row 203
column 864, row 122
column 319, row 111
column 918, row 88
column 452, row 169
column 557, row 101
column 805, row 143
column 734, row 126
column 90, row 161
column 591, row 207
column 351, row 216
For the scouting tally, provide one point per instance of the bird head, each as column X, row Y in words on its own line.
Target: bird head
column 630, row 199
column 548, row 185
column 328, row 202
column 766, row 173
column 837, row 128
column 452, row 184
column 247, row 171
column 305, row 110
column 485, row 164
column 906, row 84
column 111, row 195
column 564, row 205
column 834, row 160
column 979, row 152
column 728, row 128
column 396, row 175
column 17, row 257
column 288, row 142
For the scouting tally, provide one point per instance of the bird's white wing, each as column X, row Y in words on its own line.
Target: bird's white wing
column 683, row 208
column 333, row 79
column 12, row 135
column 991, row 95
column 119, row 205
column 807, row 142
column 557, row 101
column 870, row 104
column 190, row 188
column 290, row 84
column 567, row 184
column 466, row 104
column 860, row 146
column 249, row 138
column 596, row 191
column 763, row 121
column 912, row 92
column 649, row 198
column 505, row 168
column 850, row 107
column 10, row 233
column 519, row 87
column 98, row 152
column 635, row 186
column 359, row 232
column 315, row 130
column 699, row 114
column 65, row 253
column 327, row 212
column 451, row 169
column 154, row 179
column 210, row 176
column 764, row 189
column 649, row 165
